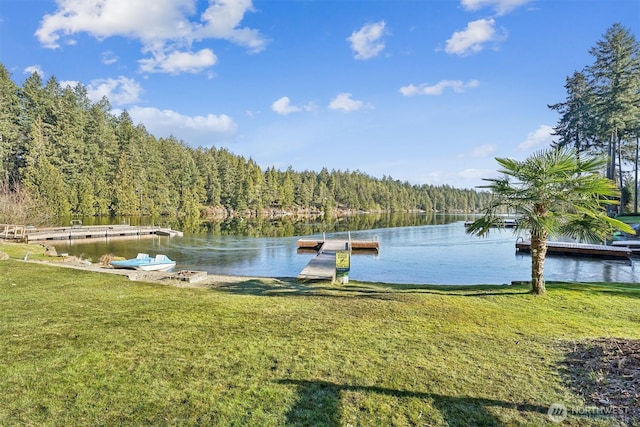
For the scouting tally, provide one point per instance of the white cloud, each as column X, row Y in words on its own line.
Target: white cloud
column 366, row 42
column 105, row 18
column 194, row 130
column 34, row 69
column 345, row 102
column 179, row 62
column 109, row 58
column 541, row 137
column 482, row 151
column 458, row 86
column 473, row 38
column 120, row 91
column 222, row 20
column 283, row 106
column 70, row 83
column 501, row 7
column 165, row 28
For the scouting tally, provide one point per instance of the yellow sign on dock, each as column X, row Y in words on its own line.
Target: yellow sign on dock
column 343, row 261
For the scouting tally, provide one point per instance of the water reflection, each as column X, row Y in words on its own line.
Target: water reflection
column 285, row 226
column 414, row 248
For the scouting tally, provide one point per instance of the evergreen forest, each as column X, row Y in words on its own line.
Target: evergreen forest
column 64, row 155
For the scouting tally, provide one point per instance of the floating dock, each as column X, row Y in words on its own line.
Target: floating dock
column 305, row 245
column 579, row 249
column 323, row 265
column 93, row 232
column 634, row 245
column 506, row 223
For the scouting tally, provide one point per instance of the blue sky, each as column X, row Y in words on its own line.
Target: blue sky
column 422, row 91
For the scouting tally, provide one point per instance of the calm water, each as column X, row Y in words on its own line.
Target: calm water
column 432, row 253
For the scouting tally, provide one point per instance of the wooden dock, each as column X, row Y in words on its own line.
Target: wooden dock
column 634, row 245
column 315, row 245
column 506, row 223
column 323, row 265
column 93, row 232
column 12, row 231
column 579, row 249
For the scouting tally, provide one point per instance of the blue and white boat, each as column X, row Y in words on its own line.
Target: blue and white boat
column 146, row 263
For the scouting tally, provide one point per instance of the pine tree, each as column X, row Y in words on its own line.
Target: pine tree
column 10, row 134
column 43, row 179
column 613, row 80
column 576, row 126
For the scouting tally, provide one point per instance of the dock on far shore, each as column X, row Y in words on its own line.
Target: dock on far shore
column 30, row 234
column 323, row 265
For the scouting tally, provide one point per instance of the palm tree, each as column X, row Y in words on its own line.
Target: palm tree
column 554, row 192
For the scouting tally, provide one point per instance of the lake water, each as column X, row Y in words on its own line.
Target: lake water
column 432, row 253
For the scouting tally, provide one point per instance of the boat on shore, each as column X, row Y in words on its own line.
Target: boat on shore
column 146, row 263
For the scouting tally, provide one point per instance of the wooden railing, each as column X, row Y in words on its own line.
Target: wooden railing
column 12, row 231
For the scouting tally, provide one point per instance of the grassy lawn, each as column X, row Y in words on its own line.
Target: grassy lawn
column 83, row 348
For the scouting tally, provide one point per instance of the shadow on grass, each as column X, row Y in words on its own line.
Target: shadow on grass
column 319, row 403
column 291, row 287
column 286, row 286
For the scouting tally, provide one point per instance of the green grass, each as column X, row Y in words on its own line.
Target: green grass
column 82, row 348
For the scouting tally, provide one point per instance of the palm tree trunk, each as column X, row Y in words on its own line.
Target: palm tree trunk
column 611, row 158
column 635, row 179
column 622, row 200
column 538, row 255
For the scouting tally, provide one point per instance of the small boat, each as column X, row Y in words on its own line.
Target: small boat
column 146, row 263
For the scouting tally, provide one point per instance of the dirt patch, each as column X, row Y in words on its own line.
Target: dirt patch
column 606, row 373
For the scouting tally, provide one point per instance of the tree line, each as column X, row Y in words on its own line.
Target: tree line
column 601, row 113
column 67, row 155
